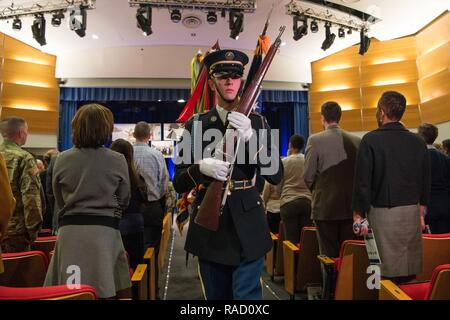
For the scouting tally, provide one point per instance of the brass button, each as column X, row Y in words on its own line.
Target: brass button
column 258, row 203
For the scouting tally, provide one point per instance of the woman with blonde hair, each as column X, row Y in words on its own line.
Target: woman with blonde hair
column 91, row 187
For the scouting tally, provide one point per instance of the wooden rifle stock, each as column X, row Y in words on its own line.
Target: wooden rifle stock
column 211, row 207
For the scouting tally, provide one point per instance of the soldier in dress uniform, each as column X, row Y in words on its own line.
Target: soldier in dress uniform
column 230, row 259
column 23, row 173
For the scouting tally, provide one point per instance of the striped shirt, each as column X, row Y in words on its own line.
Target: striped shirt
column 151, row 165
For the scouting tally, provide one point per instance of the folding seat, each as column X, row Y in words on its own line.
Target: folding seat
column 436, row 251
column 301, row 266
column 24, row 269
column 61, row 292
column 139, row 281
column 45, row 233
column 347, row 275
column 436, row 289
column 149, row 258
column 44, row 244
column 273, row 265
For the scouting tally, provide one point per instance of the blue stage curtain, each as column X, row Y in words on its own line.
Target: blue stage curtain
column 67, row 110
column 284, row 110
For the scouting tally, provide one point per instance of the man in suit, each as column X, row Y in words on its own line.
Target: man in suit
column 329, row 169
column 392, row 186
column 230, row 259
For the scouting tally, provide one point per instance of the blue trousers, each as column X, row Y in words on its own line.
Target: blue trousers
column 222, row 282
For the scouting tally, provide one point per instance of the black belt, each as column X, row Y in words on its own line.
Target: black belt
column 89, row 220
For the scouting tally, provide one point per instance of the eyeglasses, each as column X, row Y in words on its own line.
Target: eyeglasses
column 224, row 76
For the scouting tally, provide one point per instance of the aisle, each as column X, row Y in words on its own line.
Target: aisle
column 178, row 282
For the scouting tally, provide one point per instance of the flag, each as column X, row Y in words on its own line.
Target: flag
column 262, row 46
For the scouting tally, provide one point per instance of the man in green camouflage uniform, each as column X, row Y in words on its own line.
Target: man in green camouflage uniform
column 23, row 174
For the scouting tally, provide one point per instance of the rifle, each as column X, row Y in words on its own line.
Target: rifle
column 216, row 194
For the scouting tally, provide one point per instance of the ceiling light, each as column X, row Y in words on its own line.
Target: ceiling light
column 314, row 26
column 175, row 15
column 144, row 19
column 17, row 24
column 349, row 31
column 38, row 29
column 211, row 17
column 364, row 42
column 236, row 23
column 56, row 18
column 77, row 20
column 300, row 30
column 341, row 32
column 329, row 37
column 95, row 37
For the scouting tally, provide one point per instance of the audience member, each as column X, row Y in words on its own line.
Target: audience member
column 271, row 198
column 437, row 215
column 7, row 203
column 150, row 164
column 26, row 220
column 446, row 146
column 46, row 182
column 91, row 186
column 329, row 170
column 132, row 223
column 295, row 197
column 392, row 186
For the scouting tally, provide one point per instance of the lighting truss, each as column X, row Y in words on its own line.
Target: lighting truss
column 43, row 7
column 325, row 15
column 248, row 6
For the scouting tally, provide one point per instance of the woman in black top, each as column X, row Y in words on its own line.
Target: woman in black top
column 132, row 223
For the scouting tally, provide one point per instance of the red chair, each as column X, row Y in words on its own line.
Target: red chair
column 436, row 251
column 24, row 269
column 61, row 292
column 45, row 244
column 350, row 272
column 436, row 289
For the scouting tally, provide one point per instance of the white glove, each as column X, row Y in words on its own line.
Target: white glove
column 242, row 124
column 214, row 168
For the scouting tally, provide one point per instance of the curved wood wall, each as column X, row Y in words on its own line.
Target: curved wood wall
column 417, row 66
column 29, row 88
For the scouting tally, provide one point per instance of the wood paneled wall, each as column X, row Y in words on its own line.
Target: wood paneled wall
column 417, row 66
column 29, row 88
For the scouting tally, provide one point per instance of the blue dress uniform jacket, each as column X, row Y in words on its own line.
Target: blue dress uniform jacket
column 243, row 232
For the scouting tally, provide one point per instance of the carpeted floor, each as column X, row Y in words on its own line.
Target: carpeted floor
column 179, row 281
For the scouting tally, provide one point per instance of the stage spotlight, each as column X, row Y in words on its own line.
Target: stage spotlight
column 38, row 29
column 56, row 18
column 329, row 37
column 314, row 26
column 211, row 17
column 17, row 24
column 144, row 19
column 300, row 30
column 364, row 42
column 78, row 20
column 341, row 32
column 236, row 23
column 175, row 15
column 349, row 31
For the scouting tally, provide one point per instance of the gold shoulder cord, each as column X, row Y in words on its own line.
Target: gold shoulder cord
column 190, row 176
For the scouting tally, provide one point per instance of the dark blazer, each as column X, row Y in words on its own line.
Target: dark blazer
column 243, row 230
column 393, row 169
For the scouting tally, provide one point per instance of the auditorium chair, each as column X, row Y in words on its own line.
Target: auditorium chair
column 24, row 269
column 44, row 244
column 301, row 266
column 436, row 251
column 436, row 289
column 165, row 238
column 139, row 282
column 274, row 263
column 149, row 258
column 45, row 233
column 347, row 275
column 61, row 292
